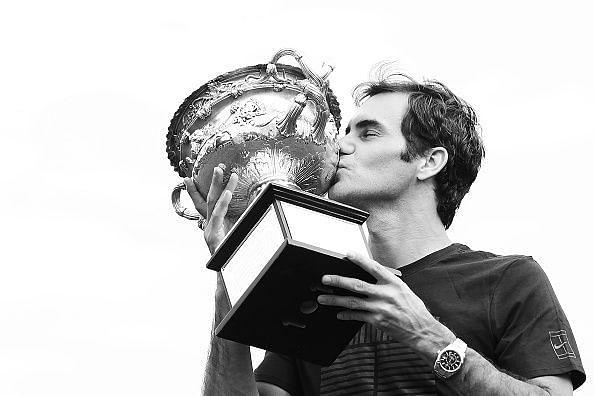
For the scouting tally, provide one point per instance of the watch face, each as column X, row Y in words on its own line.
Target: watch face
column 450, row 361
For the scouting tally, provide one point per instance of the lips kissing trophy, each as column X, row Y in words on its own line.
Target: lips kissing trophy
column 275, row 126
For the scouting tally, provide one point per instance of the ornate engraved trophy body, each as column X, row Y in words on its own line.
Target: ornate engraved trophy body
column 267, row 123
column 275, row 126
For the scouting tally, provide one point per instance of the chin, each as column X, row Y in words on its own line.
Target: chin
column 334, row 192
column 341, row 194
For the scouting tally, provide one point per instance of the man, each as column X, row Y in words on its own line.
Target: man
column 456, row 321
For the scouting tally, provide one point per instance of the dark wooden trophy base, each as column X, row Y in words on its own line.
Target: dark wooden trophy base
column 278, row 310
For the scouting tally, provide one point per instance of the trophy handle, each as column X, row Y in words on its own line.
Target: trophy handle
column 182, row 210
column 315, row 88
column 319, row 81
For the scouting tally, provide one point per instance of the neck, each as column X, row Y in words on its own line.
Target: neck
column 402, row 234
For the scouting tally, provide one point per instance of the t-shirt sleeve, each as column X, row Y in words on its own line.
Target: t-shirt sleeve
column 279, row 370
column 533, row 337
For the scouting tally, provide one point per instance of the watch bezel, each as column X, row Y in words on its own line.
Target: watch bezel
column 457, row 347
column 457, row 360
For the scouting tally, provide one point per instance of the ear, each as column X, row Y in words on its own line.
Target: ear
column 433, row 162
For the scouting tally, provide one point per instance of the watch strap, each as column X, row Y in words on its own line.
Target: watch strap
column 459, row 346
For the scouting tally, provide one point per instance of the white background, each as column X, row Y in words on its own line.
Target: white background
column 103, row 288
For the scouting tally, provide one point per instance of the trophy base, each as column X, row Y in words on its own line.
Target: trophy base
column 272, row 274
column 280, row 312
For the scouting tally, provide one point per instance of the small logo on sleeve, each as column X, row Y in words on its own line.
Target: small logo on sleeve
column 561, row 345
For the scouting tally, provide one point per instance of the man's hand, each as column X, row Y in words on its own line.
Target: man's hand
column 214, row 208
column 391, row 306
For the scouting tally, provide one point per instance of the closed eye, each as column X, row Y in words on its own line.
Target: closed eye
column 367, row 133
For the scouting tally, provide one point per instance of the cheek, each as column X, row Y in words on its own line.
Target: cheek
column 393, row 173
column 385, row 165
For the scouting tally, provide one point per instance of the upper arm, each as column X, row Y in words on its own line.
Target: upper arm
column 266, row 389
column 531, row 332
column 555, row 385
column 283, row 375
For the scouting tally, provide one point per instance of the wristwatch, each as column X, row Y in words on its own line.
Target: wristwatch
column 450, row 359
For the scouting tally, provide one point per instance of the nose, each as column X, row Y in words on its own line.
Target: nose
column 345, row 145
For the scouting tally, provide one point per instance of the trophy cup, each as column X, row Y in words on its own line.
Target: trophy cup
column 275, row 126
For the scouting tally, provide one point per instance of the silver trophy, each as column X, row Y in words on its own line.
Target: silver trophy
column 275, row 126
column 269, row 123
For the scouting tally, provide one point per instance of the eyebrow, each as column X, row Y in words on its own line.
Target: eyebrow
column 362, row 124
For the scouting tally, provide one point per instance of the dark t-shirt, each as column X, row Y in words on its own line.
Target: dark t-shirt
column 502, row 306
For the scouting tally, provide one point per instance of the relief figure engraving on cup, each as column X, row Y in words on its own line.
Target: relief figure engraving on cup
column 266, row 123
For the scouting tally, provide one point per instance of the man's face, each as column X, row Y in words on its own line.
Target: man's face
column 370, row 169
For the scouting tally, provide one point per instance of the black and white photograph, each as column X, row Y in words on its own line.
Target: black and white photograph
column 296, row 198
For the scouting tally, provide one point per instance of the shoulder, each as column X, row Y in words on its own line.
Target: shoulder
column 521, row 285
column 480, row 261
column 477, row 272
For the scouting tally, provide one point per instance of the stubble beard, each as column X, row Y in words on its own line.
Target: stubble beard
column 349, row 195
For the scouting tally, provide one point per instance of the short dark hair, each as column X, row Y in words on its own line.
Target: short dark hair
column 435, row 118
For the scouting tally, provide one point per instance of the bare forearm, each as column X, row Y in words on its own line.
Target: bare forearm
column 479, row 377
column 229, row 370
column 229, row 365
